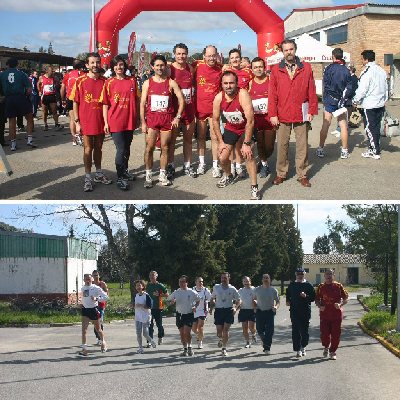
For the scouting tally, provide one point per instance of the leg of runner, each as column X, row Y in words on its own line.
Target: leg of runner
column 29, row 129
column 99, row 177
column 88, row 144
column 72, row 127
column 201, row 144
column 97, row 325
column 200, row 332
column 45, row 113
column 85, row 324
column 53, row 109
column 12, row 129
column 225, row 337
column 214, row 150
column 165, row 143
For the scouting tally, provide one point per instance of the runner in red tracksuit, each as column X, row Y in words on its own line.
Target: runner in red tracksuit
column 330, row 298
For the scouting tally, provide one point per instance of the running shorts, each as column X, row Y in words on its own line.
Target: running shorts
column 159, row 121
column 223, row 316
column 246, row 315
column 92, row 313
column 184, row 320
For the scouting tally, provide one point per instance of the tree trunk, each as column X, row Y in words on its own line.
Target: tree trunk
column 394, row 286
column 386, row 281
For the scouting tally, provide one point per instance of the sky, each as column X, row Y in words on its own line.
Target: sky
column 65, row 23
column 311, row 219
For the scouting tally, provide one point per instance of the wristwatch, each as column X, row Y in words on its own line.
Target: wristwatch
column 178, row 116
column 248, row 143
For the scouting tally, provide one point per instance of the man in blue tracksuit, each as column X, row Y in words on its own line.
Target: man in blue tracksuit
column 299, row 296
column 337, row 92
column 371, row 95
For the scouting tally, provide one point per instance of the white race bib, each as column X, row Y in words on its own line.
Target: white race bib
column 233, row 117
column 187, row 95
column 48, row 89
column 159, row 103
column 260, row 106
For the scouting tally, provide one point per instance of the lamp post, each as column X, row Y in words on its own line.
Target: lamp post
column 93, row 28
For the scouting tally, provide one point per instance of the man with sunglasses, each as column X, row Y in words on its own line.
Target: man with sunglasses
column 299, row 296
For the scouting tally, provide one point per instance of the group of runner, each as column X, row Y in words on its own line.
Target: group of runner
column 256, row 307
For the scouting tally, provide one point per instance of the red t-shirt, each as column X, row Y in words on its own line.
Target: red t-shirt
column 121, row 95
column 69, row 80
column 328, row 295
column 208, row 85
column 245, row 75
column 86, row 92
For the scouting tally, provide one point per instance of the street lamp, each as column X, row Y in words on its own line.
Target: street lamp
column 93, row 28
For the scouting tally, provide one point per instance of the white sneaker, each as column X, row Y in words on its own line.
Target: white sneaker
column 241, row 173
column 320, row 152
column 220, row 343
column 247, row 345
column 224, row 352
column 344, row 153
column 201, row 169
column 298, row 354
column 216, row 172
column 99, row 342
column 325, row 352
column 200, row 344
column 163, row 180
column 190, row 352
column 255, row 193
column 371, row 154
column 13, row 145
column 335, row 132
column 303, row 352
column 104, row 347
column 148, row 182
column 332, row 356
column 267, row 352
column 140, row 350
column 184, row 352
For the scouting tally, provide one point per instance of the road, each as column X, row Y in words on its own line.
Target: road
column 42, row 363
column 54, row 171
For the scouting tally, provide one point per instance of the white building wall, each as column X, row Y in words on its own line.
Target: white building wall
column 304, row 18
column 76, row 269
column 32, row 275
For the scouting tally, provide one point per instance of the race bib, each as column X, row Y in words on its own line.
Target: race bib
column 159, row 103
column 187, row 94
column 233, row 117
column 260, row 106
column 48, row 89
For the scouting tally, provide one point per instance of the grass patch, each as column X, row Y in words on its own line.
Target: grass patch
column 355, row 288
column 381, row 322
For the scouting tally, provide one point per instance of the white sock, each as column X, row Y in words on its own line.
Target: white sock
column 149, row 172
column 99, row 171
column 201, row 160
column 88, row 176
column 232, row 167
column 162, row 171
column 30, row 138
column 238, row 165
column 215, row 163
column 265, row 163
column 186, row 164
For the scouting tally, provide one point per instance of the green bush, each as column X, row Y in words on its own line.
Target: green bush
column 372, row 302
column 379, row 321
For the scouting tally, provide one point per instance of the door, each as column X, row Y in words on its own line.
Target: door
column 352, row 276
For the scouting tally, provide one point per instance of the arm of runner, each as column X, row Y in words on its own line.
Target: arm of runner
column 105, row 117
column 216, row 122
column 181, row 102
column 76, row 118
column 247, row 105
column 143, row 99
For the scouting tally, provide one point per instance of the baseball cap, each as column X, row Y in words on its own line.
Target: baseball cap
column 300, row 270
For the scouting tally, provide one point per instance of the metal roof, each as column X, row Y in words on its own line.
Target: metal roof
column 333, row 259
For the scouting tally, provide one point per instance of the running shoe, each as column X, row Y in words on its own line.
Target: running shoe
column 99, row 342
column 254, row 339
column 88, row 185
column 74, row 142
column 148, row 182
column 153, row 344
column 201, row 169
column 59, row 127
column 320, row 152
column 298, row 354
column 163, row 180
column 264, row 171
column 200, row 344
column 13, row 145
column 148, row 345
column 241, row 173
column 190, row 352
column 216, row 172
column 220, row 343
column 184, row 352
column 83, row 353
column 371, row 154
column 170, row 172
column 122, row 184
column 344, row 153
column 332, row 356
column 46, row 127
column 128, row 176
column 160, row 340
column 303, row 351
column 101, row 178
column 267, row 352
column 325, row 352
column 224, row 352
column 247, row 345
column 255, row 193
column 31, row 144
column 190, row 172
column 104, row 347
column 140, row 350
column 335, row 132
column 78, row 139
column 225, row 181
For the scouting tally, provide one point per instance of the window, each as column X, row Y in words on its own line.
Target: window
column 307, row 270
column 316, row 36
column 336, row 35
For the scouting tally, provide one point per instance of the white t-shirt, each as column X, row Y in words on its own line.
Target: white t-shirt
column 225, row 296
column 185, row 299
column 92, row 291
column 247, row 296
column 205, row 297
column 142, row 314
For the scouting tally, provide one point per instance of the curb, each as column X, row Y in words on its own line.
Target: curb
column 380, row 339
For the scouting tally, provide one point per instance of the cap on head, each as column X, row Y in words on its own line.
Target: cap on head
column 300, row 270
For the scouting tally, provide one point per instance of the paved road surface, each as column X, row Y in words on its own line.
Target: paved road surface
column 54, row 171
column 42, row 363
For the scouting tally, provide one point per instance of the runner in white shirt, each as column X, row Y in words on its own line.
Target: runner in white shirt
column 224, row 296
column 247, row 314
column 90, row 312
column 142, row 304
column 201, row 312
column 186, row 301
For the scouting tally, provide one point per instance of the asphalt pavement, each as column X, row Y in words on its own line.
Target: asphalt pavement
column 54, row 171
column 43, row 363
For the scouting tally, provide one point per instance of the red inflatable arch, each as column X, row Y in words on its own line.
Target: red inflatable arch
column 116, row 14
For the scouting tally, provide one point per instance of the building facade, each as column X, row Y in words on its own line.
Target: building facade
column 44, row 266
column 354, row 28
